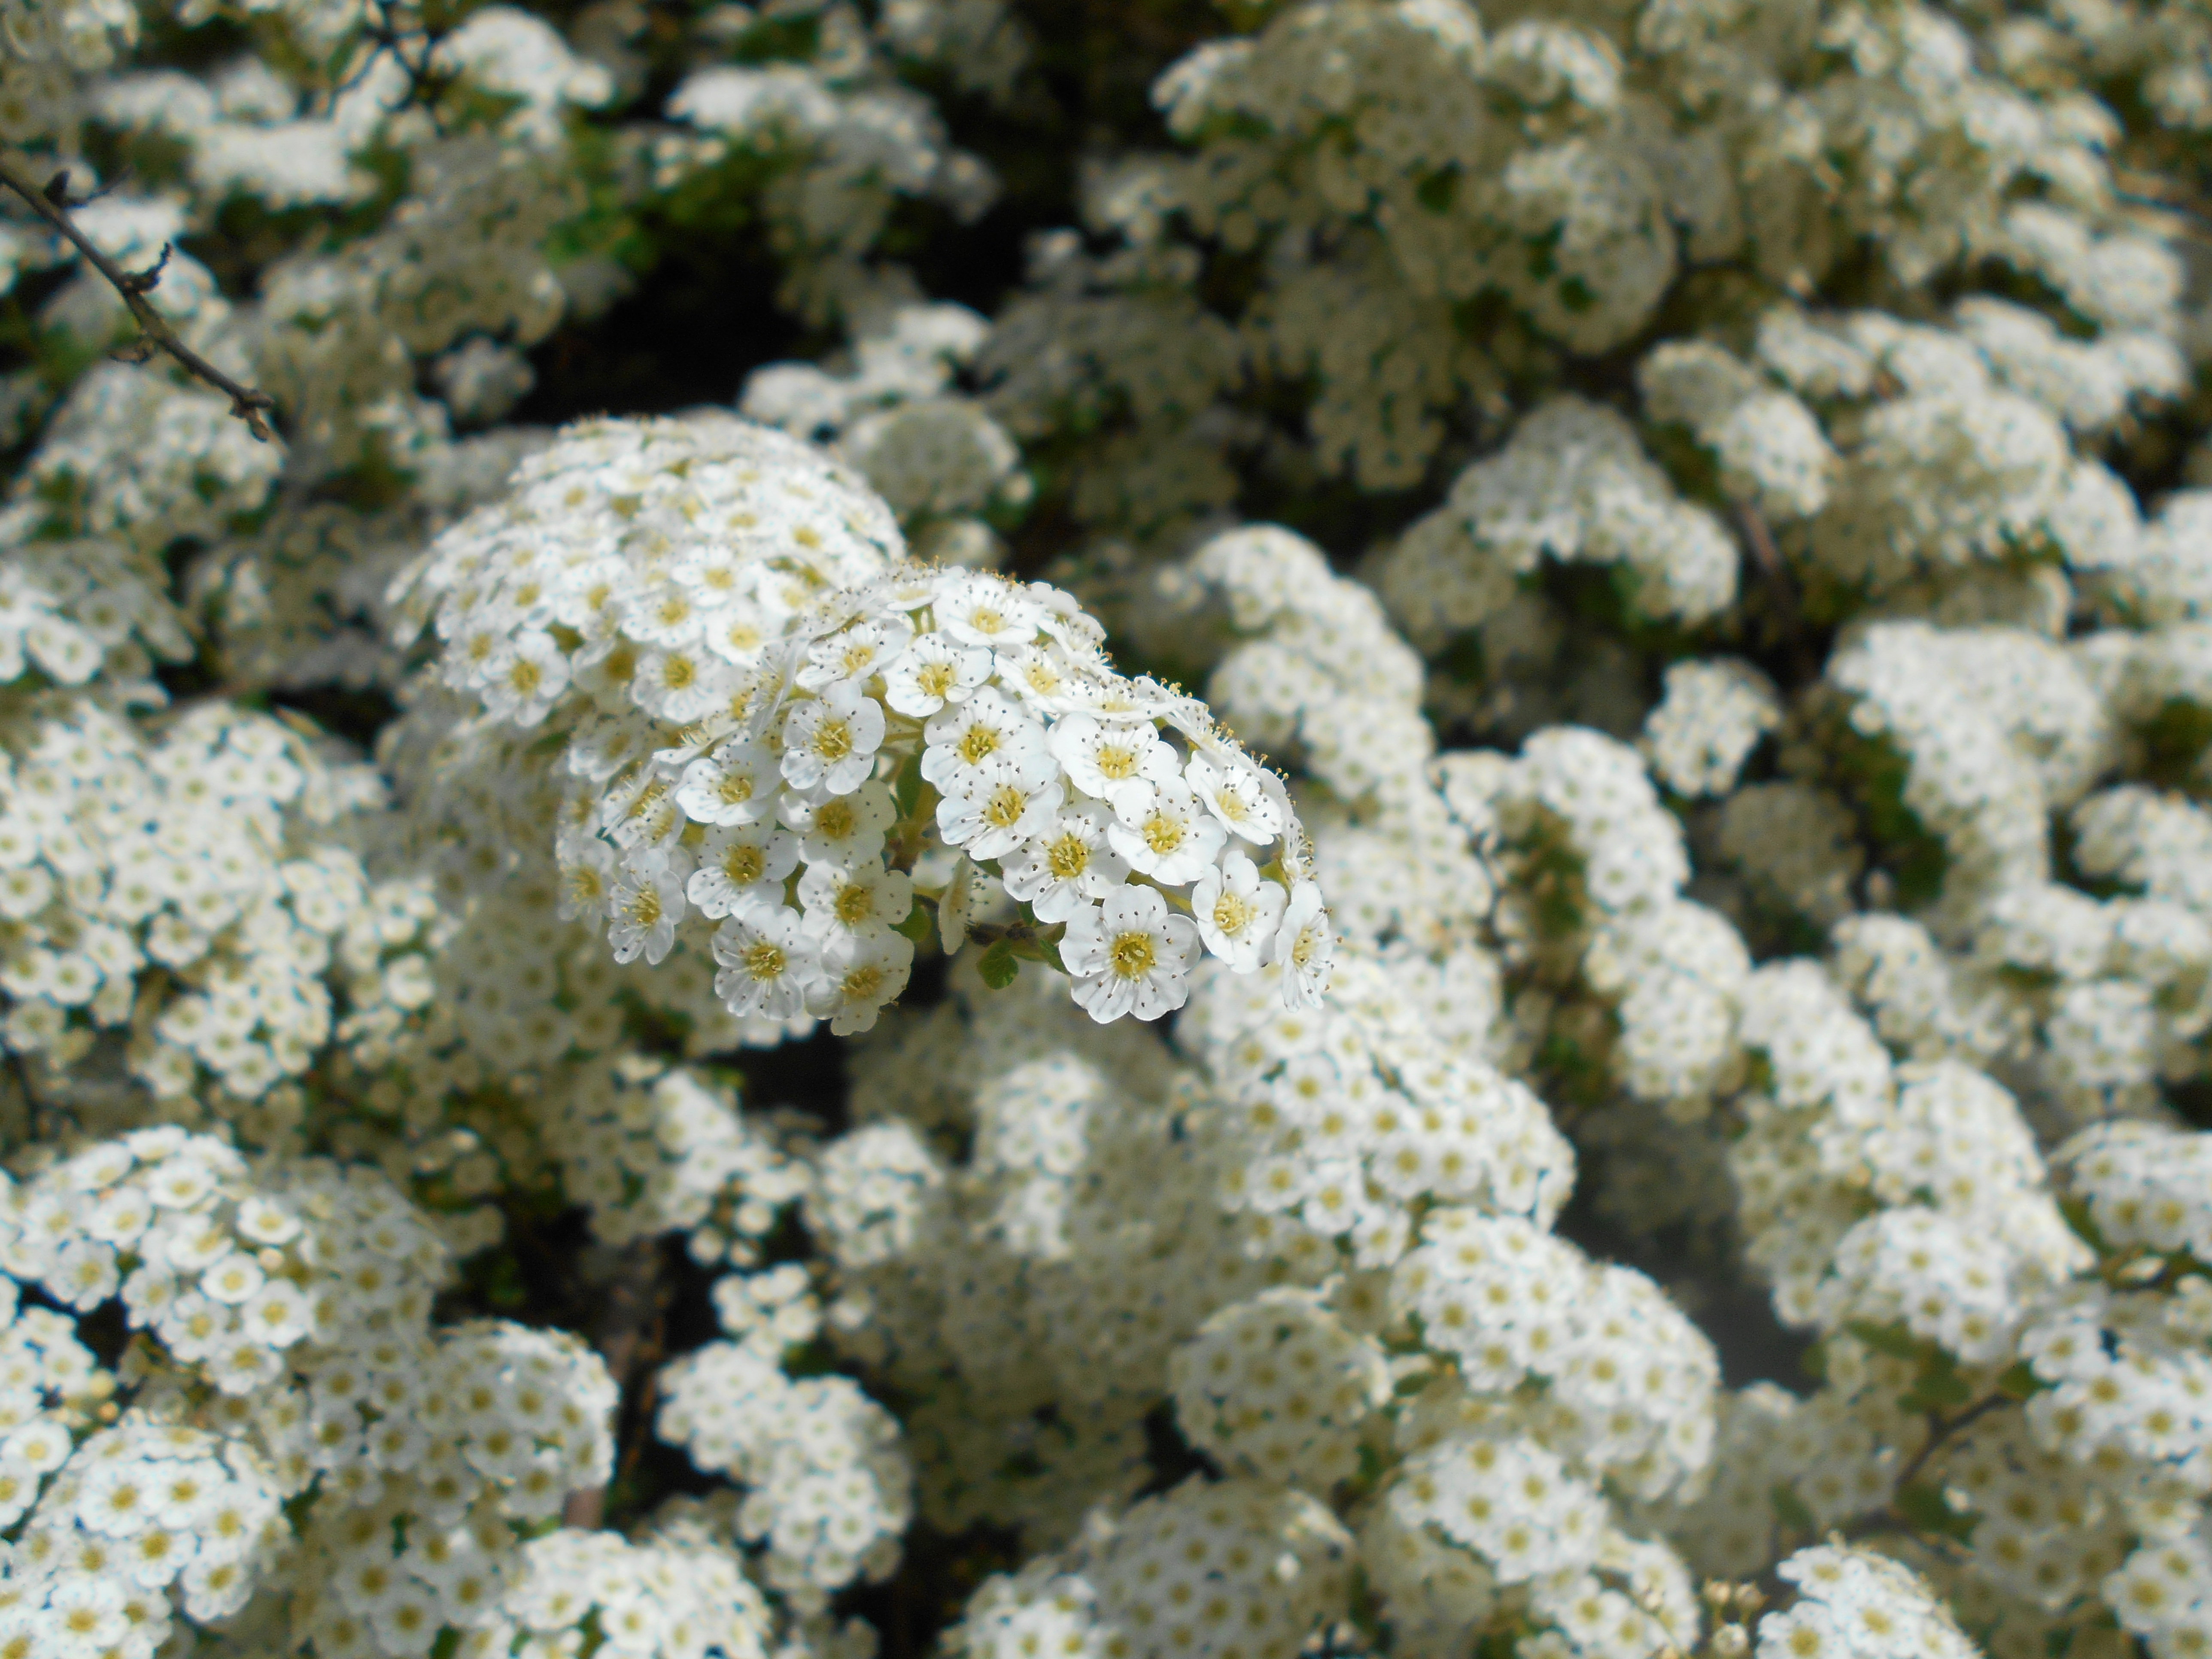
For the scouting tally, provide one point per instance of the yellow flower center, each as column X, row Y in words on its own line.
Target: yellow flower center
column 645, row 908
column 1231, row 913
column 833, row 819
column 1131, row 954
column 935, row 679
column 735, row 788
column 855, row 903
column 525, row 676
column 1117, row 761
column 861, row 984
column 1068, row 857
column 764, row 962
column 1007, row 805
column 977, row 744
column 745, row 864
column 833, row 740
column 1163, row 834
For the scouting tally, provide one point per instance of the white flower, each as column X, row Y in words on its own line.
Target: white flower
column 830, row 743
column 768, row 963
column 525, row 678
column 680, row 682
column 1163, row 831
column 741, row 864
column 986, row 611
column 1102, row 755
column 1305, row 946
column 855, row 903
column 1234, row 793
column 233, row 1279
column 588, row 876
column 844, row 830
column 735, row 785
column 1065, row 866
column 933, row 672
column 850, row 656
column 1000, row 804
column 646, row 904
column 861, row 974
column 1129, row 955
column 960, row 738
column 1238, row 910
column 957, row 904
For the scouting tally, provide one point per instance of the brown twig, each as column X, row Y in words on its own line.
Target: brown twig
column 625, row 1342
column 51, row 202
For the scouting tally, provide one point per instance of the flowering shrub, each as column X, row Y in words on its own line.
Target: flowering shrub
column 1190, row 830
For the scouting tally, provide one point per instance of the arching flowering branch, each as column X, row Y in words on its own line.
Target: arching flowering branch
column 51, row 203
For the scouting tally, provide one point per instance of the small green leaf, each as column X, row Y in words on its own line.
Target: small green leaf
column 1895, row 1340
column 907, row 790
column 999, row 966
column 916, row 926
column 1789, row 1508
column 1921, row 1504
column 2076, row 1212
column 2019, row 1381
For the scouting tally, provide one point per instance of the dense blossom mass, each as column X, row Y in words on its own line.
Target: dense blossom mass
column 1162, row 830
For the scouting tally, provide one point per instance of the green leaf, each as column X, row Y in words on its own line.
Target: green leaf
column 2076, row 1212
column 907, row 790
column 999, row 966
column 1938, row 1387
column 1895, row 1340
column 1921, row 1504
column 1790, row 1509
column 2019, row 1381
column 916, row 926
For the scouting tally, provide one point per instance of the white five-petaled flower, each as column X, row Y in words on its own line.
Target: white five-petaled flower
column 1000, row 804
column 963, row 737
column 1306, row 945
column 829, row 744
column 588, row 876
column 860, row 974
column 680, row 682
column 646, row 905
column 741, row 865
column 843, row 829
column 1163, row 830
column 769, row 964
column 524, row 677
column 933, row 673
column 851, row 656
column 1235, row 795
column 1129, row 955
column 1101, row 756
column 979, row 609
column 1065, row 866
column 1238, row 910
column 854, row 903
column 735, row 785
column 668, row 615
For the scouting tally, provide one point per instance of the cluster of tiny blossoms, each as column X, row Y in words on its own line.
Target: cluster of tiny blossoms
column 959, row 710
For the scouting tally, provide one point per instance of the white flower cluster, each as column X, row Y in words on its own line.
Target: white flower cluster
column 1702, row 503
column 761, row 736
column 827, row 1487
column 1198, row 1570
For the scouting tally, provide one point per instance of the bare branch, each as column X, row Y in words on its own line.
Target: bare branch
column 50, row 202
column 626, row 1339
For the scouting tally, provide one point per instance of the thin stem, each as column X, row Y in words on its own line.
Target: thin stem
column 50, row 203
column 626, row 1341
